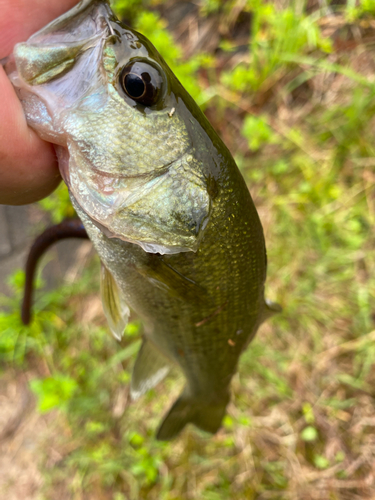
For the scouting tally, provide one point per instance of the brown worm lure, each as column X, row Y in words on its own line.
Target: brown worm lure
column 69, row 228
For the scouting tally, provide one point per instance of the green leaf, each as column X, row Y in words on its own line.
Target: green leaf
column 309, row 433
column 321, row 462
column 53, row 392
column 258, row 132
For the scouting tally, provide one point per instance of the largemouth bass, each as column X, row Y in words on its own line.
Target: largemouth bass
column 160, row 197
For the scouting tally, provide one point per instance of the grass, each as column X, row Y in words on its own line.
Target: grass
column 293, row 98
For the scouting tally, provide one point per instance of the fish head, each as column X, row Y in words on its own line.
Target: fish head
column 133, row 147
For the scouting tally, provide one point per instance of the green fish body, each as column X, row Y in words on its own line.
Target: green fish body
column 160, row 197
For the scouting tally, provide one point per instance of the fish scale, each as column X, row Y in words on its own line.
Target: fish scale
column 133, row 149
column 161, row 198
column 118, row 122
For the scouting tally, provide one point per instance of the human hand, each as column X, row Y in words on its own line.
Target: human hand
column 28, row 166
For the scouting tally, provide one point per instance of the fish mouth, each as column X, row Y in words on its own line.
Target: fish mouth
column 55, row 49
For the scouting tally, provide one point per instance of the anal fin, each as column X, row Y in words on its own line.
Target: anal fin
column 149, row 369
column 115, row 309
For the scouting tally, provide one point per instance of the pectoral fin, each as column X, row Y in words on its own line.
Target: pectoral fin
column 168, row 279
column 116, row 310
column 149, row 369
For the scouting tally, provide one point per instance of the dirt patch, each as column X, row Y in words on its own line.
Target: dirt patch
column 23, row 436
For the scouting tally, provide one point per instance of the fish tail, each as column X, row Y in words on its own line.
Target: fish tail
column 186, row 409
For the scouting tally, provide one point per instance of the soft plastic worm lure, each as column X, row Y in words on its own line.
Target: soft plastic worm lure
column 69, row 228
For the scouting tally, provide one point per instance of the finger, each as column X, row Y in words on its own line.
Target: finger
column 21, row 18
column 28, row 167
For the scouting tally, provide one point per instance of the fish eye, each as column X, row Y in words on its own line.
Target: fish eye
column 141, row 82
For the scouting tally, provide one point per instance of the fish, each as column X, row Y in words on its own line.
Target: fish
column 160, row 197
